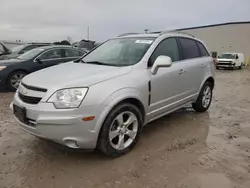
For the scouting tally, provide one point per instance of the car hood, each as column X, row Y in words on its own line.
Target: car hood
column 9, row 56
column 73, row 75
column 9, row 62
column 224, row 60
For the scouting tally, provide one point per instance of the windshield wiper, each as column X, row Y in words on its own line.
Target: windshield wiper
column 98, row 63
column 79, row 60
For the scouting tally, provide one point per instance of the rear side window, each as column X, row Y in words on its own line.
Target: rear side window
column 72, row 53
column 203, row 50
column 189, row 48
column 167, row 47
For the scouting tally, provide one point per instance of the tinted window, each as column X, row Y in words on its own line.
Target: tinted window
column 167, row 47
column 31, row 54
column 203, row 50
column 72, row 53
column 28, row 48
column 189, row 48
column 51, row 54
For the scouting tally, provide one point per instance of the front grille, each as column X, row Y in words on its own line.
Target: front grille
column 224, row 63
column 28, row 99
column 34, row 88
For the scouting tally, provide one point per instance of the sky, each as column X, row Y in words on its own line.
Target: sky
column 53, row 20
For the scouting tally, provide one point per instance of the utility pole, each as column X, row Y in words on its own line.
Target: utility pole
column 146, row 30
column 88, row 33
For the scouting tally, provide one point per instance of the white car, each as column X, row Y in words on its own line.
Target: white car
column 103, row 99
column 230, row 60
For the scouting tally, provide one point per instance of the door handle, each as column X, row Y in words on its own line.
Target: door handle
column 182, row 71
column 203, row 66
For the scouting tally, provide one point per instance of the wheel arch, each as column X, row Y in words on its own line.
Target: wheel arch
column 11, row 73
column 208, row 79
column 211, row 80
column 112, row 102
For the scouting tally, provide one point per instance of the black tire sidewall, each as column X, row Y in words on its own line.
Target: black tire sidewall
column 103, row 141
column 10, row 87
column 198, row 104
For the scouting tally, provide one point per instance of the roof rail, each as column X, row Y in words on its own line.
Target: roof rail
column 176, row 31
column 125, row 34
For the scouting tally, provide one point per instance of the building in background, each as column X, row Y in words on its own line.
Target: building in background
column 226, row 37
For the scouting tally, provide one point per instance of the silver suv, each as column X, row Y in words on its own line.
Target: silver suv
column 103, row 99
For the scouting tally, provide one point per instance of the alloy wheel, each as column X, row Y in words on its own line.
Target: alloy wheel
column 123, row 130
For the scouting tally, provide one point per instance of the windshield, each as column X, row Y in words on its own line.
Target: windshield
column 227, row 56
column 31, row 54
column 120, row 52
column 17, row 49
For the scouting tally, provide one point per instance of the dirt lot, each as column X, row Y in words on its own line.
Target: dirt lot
column 184, row 149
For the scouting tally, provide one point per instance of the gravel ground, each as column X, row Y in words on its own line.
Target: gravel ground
column 184, row 149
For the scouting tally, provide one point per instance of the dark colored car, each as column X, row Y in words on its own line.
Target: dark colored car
column 13, row 70
column 21, row 49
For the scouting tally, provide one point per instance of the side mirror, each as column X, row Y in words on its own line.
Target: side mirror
column 161, row 61
column 39, row 61
column 237, row 57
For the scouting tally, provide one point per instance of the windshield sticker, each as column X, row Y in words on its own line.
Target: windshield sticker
column 144, row 41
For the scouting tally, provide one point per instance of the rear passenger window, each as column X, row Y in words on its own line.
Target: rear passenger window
column 189, row 48
column 203, row 50
column 167, row 47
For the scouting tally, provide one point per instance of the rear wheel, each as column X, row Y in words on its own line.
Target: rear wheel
column 121, row 130
column 205, row 98
column 240, row 67
column 14, row 79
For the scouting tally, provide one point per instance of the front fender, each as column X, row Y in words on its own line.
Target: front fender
column 115, row 98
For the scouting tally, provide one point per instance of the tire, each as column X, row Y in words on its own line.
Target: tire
column 108, row 143
column 200, row 105
column 240, row 67
column 18, row 75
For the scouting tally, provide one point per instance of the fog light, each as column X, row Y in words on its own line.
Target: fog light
column 71, row 143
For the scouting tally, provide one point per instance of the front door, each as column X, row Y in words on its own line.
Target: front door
column 167, row 85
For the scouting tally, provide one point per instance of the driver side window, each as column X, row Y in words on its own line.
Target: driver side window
column 167, row 47
column 51, row 54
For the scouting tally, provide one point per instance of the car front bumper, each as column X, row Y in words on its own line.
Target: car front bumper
column 225, row 65
column 3, row 84
column 65, row 127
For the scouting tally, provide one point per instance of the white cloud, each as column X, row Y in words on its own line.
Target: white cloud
column 56, row 19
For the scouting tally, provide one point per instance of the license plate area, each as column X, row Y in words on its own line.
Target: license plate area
column 20, row 113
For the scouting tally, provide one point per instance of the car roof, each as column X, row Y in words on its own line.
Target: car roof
column 168, row 33
column 58, row 46
column 157, row 34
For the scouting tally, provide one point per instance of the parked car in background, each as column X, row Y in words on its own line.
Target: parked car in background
column 13, row 70
column 103, row 99
column 230, row 60
column 20, row 49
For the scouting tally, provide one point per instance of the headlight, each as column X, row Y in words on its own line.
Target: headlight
column 68, row 98
column 2, row 67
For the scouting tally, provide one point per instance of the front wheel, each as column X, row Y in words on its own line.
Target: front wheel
column 14, row 80
column 205, row 98
column 121, row 130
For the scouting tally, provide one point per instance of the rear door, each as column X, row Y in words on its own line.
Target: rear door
column 71, row 54
column 51, row 57
column 194, row 66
